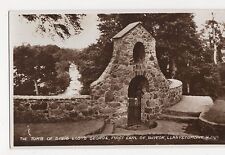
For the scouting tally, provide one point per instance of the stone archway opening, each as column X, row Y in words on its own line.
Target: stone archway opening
column 137, row 88
column 138, row 52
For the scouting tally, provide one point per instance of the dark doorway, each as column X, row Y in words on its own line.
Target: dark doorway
column 135, row 94
column 138, row 52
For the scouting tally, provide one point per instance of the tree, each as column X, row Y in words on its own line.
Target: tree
column 92, row 61
column 212, row 37
column 62, row 25
column 39, row 70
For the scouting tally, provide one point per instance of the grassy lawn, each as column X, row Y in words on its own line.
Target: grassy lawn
column 69, row 129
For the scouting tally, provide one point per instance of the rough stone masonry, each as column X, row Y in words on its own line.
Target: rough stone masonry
column 128, row 64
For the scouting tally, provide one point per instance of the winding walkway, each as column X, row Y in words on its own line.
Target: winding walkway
column 75, row 85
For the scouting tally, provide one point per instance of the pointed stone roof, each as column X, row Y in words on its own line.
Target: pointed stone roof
column 127, row 29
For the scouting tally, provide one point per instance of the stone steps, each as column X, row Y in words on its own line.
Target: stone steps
column 181, row 113
column 188, row 109
column 178, row 118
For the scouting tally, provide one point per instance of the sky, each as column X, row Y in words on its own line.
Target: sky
column 23, row 33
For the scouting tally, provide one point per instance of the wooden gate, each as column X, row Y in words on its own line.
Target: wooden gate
column 135, row 94
column 134, row 112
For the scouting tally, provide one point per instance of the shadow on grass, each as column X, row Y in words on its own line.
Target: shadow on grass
column 193, row 129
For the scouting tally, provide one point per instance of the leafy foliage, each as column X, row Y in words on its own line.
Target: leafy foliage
column 222, row 77
column 62, row 25
column 91, row 62
column 44, row 66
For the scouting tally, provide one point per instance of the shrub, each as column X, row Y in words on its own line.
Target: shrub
column 206, row 82
column 216, row 113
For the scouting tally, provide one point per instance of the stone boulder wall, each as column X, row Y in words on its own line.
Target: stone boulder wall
column 175, row 92
column 33, row 109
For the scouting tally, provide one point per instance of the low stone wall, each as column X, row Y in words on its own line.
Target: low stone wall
column 54, row 108
column 211, row 128
column 58, row 108
column 175, row 92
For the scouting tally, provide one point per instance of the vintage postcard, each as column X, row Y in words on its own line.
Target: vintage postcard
column 117, row 78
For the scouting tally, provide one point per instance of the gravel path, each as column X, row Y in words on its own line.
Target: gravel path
column 192, row 104
column 75, row 85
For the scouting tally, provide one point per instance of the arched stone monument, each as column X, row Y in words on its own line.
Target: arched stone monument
column 133, row 77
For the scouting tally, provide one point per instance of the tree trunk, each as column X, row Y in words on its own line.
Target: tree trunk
column 214, row 44
column 215, row 54
column 36, row 87
column 188, row 82
column 188, row 88
column 173, row 68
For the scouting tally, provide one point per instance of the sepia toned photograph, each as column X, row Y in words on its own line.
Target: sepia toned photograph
column 111, row 78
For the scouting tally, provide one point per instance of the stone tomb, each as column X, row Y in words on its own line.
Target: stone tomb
column 133, row 77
